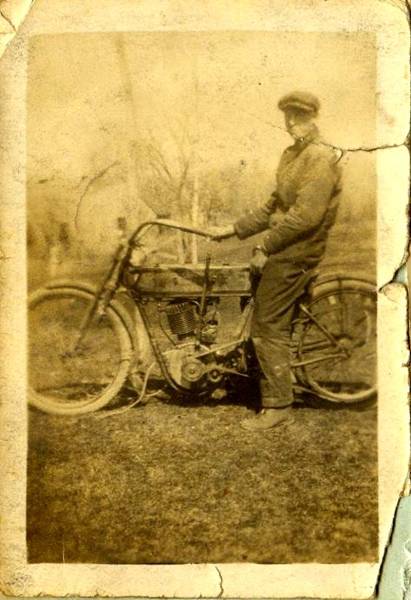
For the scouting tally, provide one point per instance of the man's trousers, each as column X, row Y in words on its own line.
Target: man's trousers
column 279, row 288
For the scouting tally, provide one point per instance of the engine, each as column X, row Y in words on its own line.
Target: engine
column 196, row 361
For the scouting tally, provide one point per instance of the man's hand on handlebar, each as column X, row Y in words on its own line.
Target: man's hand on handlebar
column 258, row 261
column 139, row 255
column 222, row 233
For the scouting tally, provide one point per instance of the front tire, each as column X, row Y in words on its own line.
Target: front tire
column 68, row 380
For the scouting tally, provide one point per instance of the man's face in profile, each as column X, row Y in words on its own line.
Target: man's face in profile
column 298, row 122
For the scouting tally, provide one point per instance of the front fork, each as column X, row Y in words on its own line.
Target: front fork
column 103, row 296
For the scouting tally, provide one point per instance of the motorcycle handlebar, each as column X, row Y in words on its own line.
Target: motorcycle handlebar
column 168, row 223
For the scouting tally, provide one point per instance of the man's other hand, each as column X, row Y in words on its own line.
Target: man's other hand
column 222, row 233
column 257, row 262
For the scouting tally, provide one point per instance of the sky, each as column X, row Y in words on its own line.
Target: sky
column 94, row 98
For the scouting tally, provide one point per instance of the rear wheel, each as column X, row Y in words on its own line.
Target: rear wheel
column 337, row 348
column 67, row 377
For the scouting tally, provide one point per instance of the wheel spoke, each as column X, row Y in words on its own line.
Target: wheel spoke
column 343, row 316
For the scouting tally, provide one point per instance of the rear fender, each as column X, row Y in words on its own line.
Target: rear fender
column 325, row 284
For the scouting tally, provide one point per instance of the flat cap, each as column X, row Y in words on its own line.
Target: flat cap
column 301, row 100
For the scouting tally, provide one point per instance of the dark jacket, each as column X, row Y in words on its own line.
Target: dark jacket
column 303, row 207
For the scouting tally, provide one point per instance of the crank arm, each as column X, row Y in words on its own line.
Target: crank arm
column 218, row 349
column 229, row 371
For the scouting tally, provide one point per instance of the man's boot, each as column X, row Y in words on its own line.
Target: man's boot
column 267, row 418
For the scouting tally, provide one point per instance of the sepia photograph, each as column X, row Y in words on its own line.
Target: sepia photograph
column 203, row 315
column 202, row 308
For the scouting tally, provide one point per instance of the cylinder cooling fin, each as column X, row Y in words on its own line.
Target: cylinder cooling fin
column 182, row 318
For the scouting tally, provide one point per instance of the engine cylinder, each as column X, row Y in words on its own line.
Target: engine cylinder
column 182, row 319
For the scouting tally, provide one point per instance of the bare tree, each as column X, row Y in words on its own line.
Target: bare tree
column 168, row 178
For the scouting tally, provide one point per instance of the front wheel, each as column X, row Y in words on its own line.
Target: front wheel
column 68, row 376
column 336, row 355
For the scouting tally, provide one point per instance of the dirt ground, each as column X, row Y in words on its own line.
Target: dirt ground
column 173, row 483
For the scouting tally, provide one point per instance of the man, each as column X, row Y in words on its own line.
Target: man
column 297, row 218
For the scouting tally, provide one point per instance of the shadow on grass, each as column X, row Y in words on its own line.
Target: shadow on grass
column 246, row 395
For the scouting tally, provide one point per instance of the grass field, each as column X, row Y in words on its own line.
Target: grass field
column 173, row 483
column 168, row 483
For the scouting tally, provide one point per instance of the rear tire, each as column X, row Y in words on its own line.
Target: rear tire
column 66, row 382
column 347, row 311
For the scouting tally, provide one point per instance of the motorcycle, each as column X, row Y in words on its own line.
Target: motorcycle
column 85, row 342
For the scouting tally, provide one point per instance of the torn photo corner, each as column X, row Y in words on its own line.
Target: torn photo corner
column 175, row 422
